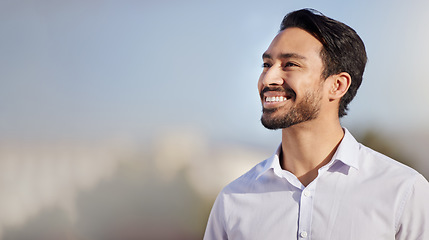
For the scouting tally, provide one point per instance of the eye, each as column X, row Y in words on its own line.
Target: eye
column 290, row 64
column 266, row 65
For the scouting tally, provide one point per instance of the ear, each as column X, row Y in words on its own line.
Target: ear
column 339, row 85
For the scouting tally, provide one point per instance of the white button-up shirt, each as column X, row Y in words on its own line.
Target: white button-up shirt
column 359, row 195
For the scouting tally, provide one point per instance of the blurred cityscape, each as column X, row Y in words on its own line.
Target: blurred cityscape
column 124, row 190
column 115, row 190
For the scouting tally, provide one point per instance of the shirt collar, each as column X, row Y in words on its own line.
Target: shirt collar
column 347, row 152
column 272, row 163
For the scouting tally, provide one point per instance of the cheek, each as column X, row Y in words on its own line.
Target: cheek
column 260, row 85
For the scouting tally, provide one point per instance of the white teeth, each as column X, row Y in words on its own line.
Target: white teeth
column 275, row 99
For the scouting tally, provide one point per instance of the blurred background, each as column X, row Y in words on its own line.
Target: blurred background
column 124, row 119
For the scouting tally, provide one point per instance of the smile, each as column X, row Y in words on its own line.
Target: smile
column 275, row 99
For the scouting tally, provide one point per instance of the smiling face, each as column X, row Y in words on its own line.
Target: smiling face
column 291, row 83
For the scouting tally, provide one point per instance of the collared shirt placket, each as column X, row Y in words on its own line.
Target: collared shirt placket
column 306, row 211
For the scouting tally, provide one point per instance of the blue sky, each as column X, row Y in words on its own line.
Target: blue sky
column 100, row 69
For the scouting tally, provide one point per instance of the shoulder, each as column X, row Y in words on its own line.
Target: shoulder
column 412, row 220
column 389, row 178
column 379, row 164
column 244, row 183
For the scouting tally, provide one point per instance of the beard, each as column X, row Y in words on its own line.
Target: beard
column 305, row 110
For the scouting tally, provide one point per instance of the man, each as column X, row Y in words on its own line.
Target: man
column 321, row 183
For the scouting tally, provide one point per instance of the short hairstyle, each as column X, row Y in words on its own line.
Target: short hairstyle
column 343, row 50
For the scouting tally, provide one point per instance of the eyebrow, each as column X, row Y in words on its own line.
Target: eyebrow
column 283, row 55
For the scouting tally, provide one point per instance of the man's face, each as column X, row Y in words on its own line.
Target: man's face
column 290, row 85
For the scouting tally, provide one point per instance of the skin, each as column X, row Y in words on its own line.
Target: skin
column 293, row 61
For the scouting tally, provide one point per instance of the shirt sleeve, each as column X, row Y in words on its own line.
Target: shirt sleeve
column 414, row 222
column 215, row 229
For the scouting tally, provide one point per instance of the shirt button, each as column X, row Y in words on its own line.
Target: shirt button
column 307, row 193
column 303, row 234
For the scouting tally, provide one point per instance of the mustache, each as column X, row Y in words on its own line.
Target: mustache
column 287, row 91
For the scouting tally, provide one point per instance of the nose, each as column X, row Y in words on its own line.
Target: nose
column 272, row 77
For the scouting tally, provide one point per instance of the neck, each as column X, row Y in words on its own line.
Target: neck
column 307, row 146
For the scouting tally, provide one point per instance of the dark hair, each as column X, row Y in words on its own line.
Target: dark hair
column 343, row 50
